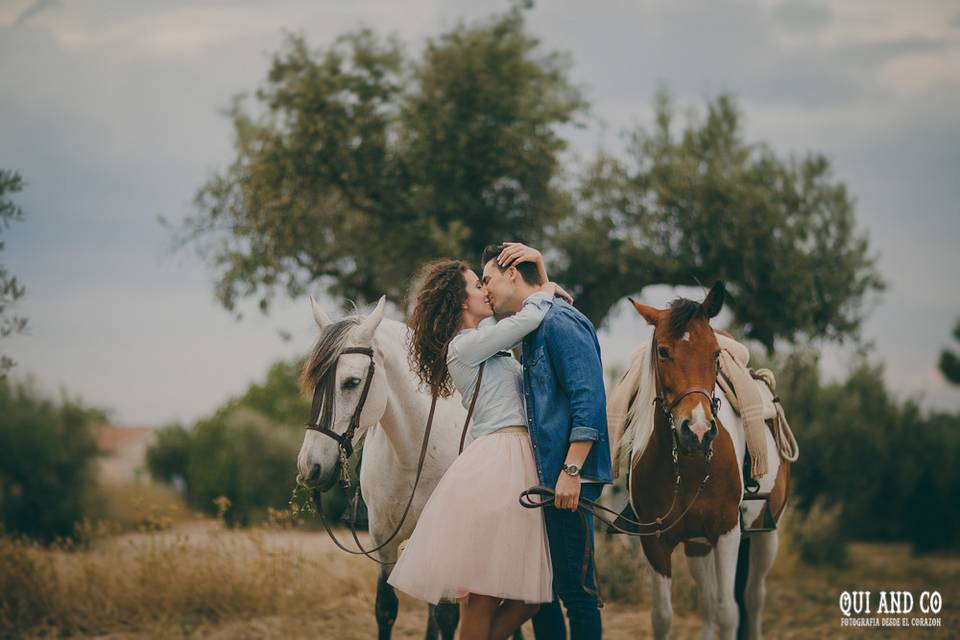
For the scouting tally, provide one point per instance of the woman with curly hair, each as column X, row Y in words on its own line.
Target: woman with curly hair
column 474, row 543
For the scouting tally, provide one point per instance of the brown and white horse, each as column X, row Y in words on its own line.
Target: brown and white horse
column 695, row 437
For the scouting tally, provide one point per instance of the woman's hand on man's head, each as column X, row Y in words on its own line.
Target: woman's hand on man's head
column 516, row 252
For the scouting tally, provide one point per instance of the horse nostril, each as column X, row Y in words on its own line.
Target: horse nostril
column 685, row 427
column 314, row 473
column 711, row 433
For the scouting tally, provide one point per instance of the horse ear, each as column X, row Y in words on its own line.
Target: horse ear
column 319, row 315
column 369, row 326
column 712, row 304
column 650, row 314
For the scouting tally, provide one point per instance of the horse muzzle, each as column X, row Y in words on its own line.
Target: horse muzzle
column 696, row 438
column 315, row 479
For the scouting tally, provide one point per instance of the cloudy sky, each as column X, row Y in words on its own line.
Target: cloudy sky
column 111, row 112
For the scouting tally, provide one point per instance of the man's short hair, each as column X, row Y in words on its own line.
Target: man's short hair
column 528, row 270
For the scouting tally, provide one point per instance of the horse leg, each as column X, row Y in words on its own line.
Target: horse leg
column 704, row 571
column 763, row 552
column 658, row 558
column 386, row 605
column 662, row 614
column 725, row 556
column 446, row 616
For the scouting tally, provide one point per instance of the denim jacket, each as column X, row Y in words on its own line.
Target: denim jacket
column 564, row 393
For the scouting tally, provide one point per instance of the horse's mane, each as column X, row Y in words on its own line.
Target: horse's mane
column 323, row 358
column 638, row 418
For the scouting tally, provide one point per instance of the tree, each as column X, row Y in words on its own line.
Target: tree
column 47, row 459
column 891, row 467
column 364, row 162
column 949, row 361
column 10, row 289
column 707, row 205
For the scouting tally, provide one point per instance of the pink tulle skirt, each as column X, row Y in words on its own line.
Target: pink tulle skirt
column 473, row 536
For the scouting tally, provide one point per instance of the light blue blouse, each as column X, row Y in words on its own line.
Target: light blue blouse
column 501, row 401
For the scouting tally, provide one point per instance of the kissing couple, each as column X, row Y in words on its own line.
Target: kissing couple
column 542, row 421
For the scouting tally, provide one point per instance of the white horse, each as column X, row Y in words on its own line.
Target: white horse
column 710, row 531
column 393, row 419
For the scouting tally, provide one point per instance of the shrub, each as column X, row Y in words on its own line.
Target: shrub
column 242, row 456
column 818, row 535
column 47, row 459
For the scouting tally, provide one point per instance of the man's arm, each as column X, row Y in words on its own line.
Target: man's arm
column 575, row 360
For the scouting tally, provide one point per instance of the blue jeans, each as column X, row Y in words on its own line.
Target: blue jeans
column 566, row 536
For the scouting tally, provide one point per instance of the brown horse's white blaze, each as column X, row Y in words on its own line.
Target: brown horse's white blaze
column 685, row 359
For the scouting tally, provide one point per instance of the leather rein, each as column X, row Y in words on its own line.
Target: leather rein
column 540, row 496
column 323, row 395
column 547, row 494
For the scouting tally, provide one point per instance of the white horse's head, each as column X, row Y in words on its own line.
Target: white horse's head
column 319, row 460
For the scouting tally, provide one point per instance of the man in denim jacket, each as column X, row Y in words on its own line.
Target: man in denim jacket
column 566, row 415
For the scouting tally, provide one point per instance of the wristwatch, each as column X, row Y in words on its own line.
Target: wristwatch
column 571, row 469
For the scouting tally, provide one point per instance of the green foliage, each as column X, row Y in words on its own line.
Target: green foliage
column 819, row 537
column 889, row 466
column 168, row 456
column 245, row 452
column 949, row 361
column 278, row 397
column 10, row 289
column 704, row 205
column 363, row 162
column 242, row 456
column 46, row 462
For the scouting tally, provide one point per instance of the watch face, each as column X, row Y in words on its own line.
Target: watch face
column 572, row 469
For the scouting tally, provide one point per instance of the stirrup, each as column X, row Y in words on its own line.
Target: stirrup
column 767, row 523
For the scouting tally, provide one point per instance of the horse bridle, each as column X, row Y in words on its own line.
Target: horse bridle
column 668, row 407
column 325, row 387
column 539, row 496
column 344, row 440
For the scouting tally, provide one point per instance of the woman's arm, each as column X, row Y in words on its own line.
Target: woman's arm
column 474, row 347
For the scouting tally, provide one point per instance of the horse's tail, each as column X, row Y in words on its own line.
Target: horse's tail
column 739, row 586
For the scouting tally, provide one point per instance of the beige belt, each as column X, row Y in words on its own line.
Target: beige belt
column 516, row 429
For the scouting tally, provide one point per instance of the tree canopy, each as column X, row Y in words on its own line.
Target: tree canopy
column 10, row 289
column 703, row 205
column 949, row 363
column 363, row 162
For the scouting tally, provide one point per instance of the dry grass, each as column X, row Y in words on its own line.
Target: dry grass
column 134, row 506
column 184, row 578
column 200, row 580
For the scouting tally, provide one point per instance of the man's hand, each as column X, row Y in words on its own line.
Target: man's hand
column 567, row 492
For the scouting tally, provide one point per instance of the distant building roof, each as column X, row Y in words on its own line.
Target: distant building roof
column 111, row 438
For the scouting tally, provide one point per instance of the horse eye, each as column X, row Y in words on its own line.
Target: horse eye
column 664, row 352
column 351, row 383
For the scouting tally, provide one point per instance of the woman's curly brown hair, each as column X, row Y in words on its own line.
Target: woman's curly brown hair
column 436, row 320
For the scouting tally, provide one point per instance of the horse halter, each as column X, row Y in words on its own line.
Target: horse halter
column 668, row 407
column 324, row 393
